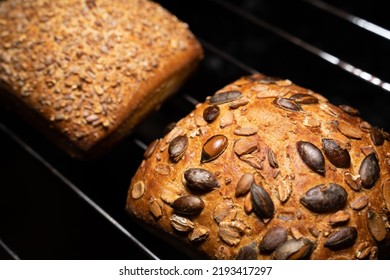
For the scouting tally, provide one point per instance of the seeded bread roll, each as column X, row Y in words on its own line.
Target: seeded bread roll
column 87, row 71
column 265, row 169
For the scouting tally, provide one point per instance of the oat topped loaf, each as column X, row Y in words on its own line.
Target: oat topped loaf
column 87, row 71
column 266, row 169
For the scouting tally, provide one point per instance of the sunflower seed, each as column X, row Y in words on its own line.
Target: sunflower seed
column 363, row 250
column 284, row 191
column 338, row 218
column 366, row 150
column 294, row 250
column 386, row 192
column 238, row 103
column 272, row 159
column 348, row 130
column 245, row 146
column 325, row 198
column 224, row 210
column 365, row 127
column 374, row 253
column 354, row 182
column 213, row 148
column 253, row 160
column 350, row 110
column 262, row 202
column 314, row 230
column 199, row 234
column 188, row 205
column 342, row 238
column 181, row 224
column 170, row 193
column 338, row 156
column 155, row 208
column 311, row 156
column 149, row 151
column 162, row 169
column 369, row 171
column 296, row 233
column 245, row 131
column 248, row 206
column 226, row 119
column 359, row 202
column 311, row 121
column 231, row 232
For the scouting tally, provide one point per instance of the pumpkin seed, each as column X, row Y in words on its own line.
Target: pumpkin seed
column 199, row 179
column 225, row 97
column 342, row 238
column 294, row 250
column 274, row 237
column 177, row 147
column 325, row 198
column 287, row 104
column 369, row 171
column 188, row 205
column 262, row 202
column 338, row 156
column 311, row 156
column 248, row 252
column 214, row 147
column 211, row 113
column 377, row 136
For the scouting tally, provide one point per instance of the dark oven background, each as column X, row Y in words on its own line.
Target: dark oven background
column 53, row 207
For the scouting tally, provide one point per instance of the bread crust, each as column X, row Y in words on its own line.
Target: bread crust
column 89, row 69
column 263, row 127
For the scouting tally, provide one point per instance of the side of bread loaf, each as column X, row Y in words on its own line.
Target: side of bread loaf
column 87, row 71
column 266, row 169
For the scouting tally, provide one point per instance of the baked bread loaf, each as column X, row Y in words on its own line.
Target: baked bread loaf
column 87, row 71
column 266, row 169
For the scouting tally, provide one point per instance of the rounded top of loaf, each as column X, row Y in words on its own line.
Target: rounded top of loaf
column 281, row 173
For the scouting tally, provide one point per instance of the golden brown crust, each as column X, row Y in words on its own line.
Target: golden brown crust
column 270, row 126
column 92, row 69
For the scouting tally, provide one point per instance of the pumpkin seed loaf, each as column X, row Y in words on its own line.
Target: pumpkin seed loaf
column 266, row 169
column 87, row 71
